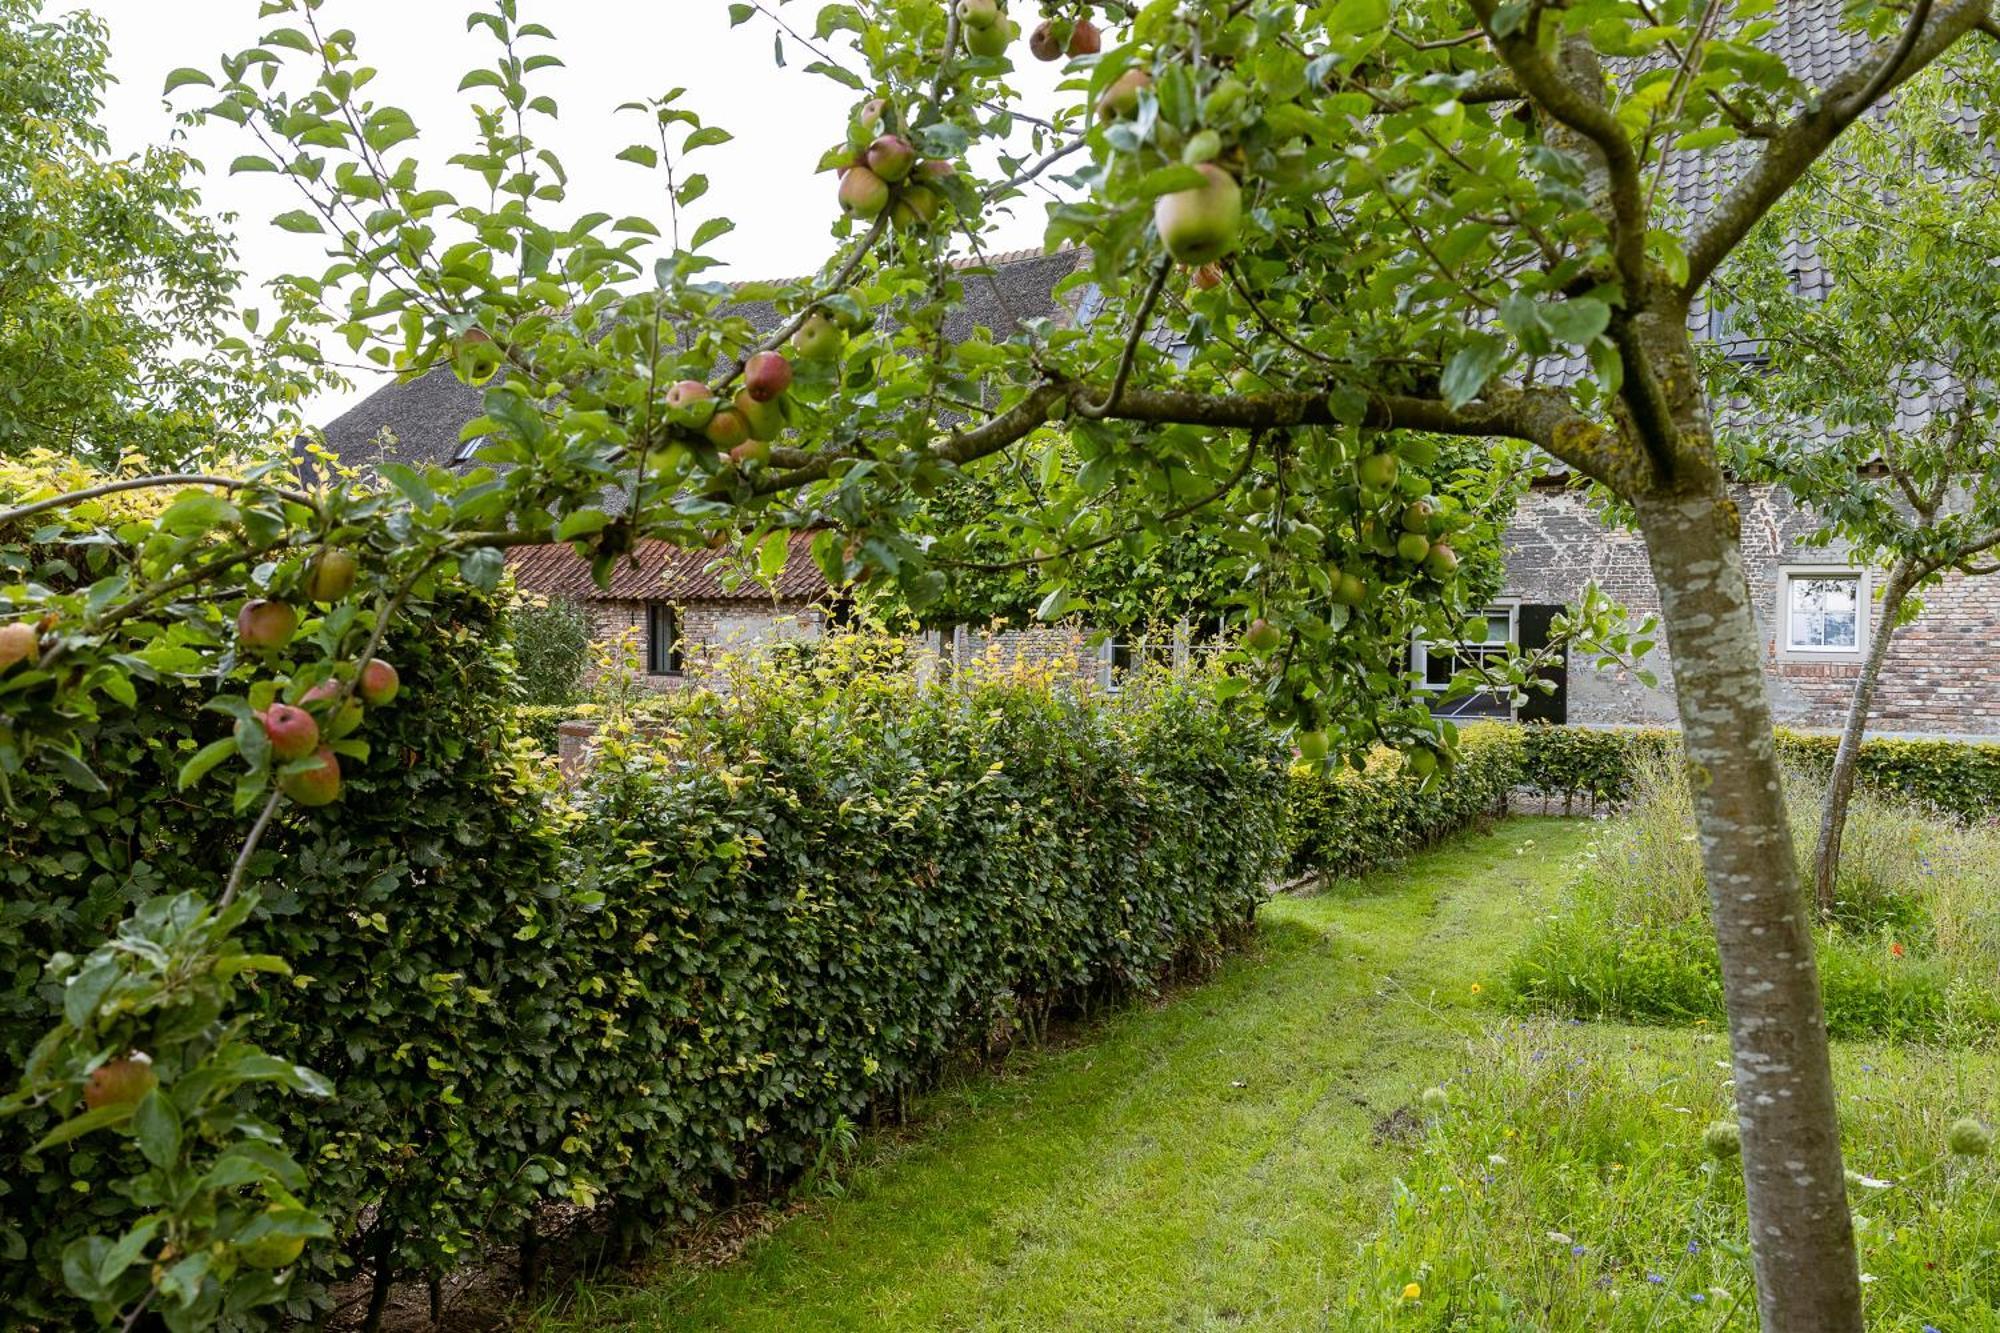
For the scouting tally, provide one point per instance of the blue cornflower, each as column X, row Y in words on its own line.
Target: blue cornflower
column 1655, row 1279
column 1579, row 1250
column 1698, row 1297
column 1694, row 1247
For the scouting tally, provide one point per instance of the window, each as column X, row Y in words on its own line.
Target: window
column 663, row 640
column 1438, row 661
column 1825, row 612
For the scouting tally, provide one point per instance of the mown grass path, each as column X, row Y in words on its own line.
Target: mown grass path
column 1204, row 1163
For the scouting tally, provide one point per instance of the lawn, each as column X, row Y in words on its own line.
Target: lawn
column 1259, row 1152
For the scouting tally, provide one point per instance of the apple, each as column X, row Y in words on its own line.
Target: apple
column 872, row 116
column 991, row 41
column 686, row 393
column 341, row 723
column 1084, row 39
column 318, row 783
column 917, row 206
column 1417, row 516
column 332, row 575
column 1378, row 471
column 766, row 375
column 378, row 682
column 1421, row 762
column 891, row 157
column 292, row 732
column 936, row 168
column 1043, row 43
column 1198, row 226
column 764, row 421
column 270, row 1250
column 818, row 338
column 120, row 1082
column 1312, row 746
column 265, row 624
column 727, row 429
column 1442, row 562
column 1262, row 636
column 1349, row 589
column 1206, row 278
column 752, row 450
column 977, row 14
column 1122, row 97
column 17, row 643
column 863, row 193
column 1413, row 546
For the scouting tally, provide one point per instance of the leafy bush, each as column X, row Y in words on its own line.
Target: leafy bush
column 540, row 722
column 1910, row 951
column 1345, row 822
column 551, row 638
column 1958, row 778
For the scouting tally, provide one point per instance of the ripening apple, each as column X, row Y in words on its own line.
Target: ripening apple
column 332, row 575
column 1262, row 636
column 726, row 429
column 917, row 206
column 1206, row 278
column 378, row 682
column 686, row 393
column 874, row 114
column 1442, row 562
column 270, row 1250
column 1198, row 226
column 1349, row 589
column 1122, row 97
column 17, row 643
column 863, row 193
column 752, row 450
column 1422, row 762
column 766, row 375
column 1378, row 471
column 818, row 338
column 120, row 1082
column 1312, row 746
column 1085, row 39
column 976, row 14
column 936, row 168
column 764, row 420
column 341, row 723
column 1417, row 516
column 318, row 783
column 993, row 40
column 291, row 731
column 1413, row 546
column 266, row 625
column 891, row 157
column 1043, row 43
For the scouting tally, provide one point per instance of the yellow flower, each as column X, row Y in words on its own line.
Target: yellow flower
column 1476, row 988
column 1413, row 1291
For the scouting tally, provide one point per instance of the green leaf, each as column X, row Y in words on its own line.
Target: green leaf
column 251, row 162
column 157, row 1125
column 184, row 76
column 205, row 760
column 300, row 221
column 705, row 137
column 1577, row 321
column 104, row 1117
column 709, row 230
column 1465, row 375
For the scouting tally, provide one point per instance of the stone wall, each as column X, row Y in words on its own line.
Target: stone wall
column 707, row 630
column 1943, row 670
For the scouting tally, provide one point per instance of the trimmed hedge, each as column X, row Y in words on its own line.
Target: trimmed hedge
column 1958, row 778
column 1347, row 822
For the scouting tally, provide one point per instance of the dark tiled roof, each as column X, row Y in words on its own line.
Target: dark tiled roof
column 659, row 572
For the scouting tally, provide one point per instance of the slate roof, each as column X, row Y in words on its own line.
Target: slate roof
column 659, row 572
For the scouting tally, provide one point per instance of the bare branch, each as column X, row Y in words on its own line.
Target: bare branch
column 158, row 482
column 1103, row 406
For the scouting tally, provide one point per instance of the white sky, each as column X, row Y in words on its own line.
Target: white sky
column 613, row 51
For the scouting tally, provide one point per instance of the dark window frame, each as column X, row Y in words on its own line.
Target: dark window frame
column 663, row 622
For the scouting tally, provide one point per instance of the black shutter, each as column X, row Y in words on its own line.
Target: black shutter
column 1536, row 706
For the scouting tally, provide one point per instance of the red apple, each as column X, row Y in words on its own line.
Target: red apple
column 727, row 429
column 379, row 682
column 1084, row 39
column 863, row 193
column 1199, row 225
column 265, row 624
column 874, row 114
column 686, row 393
column 1042, row 43
column 332, row 575
column 750, row 451
column 766, row 375
column 817, row 339
column 292, row 732
column 891, row 157
column 17, row 643
column 1122, row 97
column 120, row 1082
column 936, row 168
column 1206, row 278
column 318, row 783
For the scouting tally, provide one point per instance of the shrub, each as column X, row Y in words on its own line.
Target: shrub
column 540, row 722
column 1345, row 822
column 551, row 638
column 1958, row 778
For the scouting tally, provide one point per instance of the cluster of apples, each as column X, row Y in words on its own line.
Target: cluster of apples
column 265, row 625
column 888, row 174
column 985, row 26
column 744, row 426
column 1053, row 39
column 1415, row 532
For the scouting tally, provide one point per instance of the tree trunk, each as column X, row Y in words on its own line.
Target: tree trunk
column 1847, row 759
column 1802, row 1242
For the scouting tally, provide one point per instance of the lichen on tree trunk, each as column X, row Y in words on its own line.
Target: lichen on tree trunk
column 1803, row 1242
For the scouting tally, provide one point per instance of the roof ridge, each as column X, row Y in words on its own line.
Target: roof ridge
column 1004, row 257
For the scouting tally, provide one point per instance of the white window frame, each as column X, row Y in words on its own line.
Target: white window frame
column 1420, row 654
column 1864, row 603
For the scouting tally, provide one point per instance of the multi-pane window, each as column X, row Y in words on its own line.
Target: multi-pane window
column 1439, row 661
column 663, row 640
column 1823, row 612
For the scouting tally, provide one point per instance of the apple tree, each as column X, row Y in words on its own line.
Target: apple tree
column 1325, row 236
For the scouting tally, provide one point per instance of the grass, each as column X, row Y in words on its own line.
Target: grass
column 1258, row 1152
column 1912, row 949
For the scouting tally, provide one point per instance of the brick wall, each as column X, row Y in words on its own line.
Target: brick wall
column 707, row 629
column 1943, row 670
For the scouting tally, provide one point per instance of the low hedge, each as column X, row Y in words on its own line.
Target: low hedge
column 1346, row 822
column 540, row 721
column 1959, row 778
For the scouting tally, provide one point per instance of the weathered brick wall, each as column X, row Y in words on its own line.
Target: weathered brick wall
column 707, row 629
column 1943, row 670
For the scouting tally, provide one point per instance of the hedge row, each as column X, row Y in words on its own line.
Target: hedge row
column 787, row 909
column 1958, row 778
column 1346, row 822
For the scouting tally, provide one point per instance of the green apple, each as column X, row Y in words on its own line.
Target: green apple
column 1198, row 226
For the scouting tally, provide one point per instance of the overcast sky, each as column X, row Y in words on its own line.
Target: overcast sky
column 613, row 50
